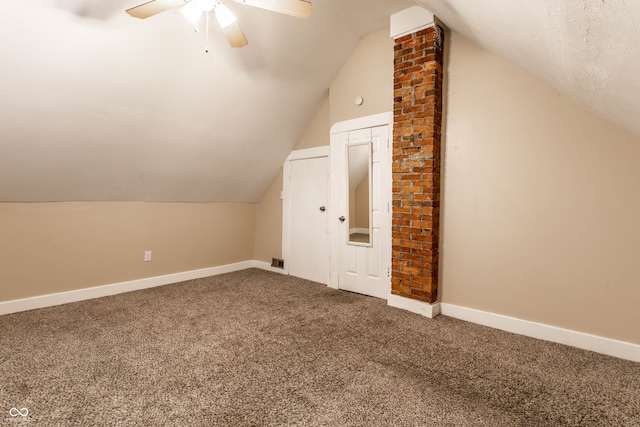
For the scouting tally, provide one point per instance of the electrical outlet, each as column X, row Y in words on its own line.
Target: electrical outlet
column 147, row 256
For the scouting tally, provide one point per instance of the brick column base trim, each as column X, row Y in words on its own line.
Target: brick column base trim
column 417, row 111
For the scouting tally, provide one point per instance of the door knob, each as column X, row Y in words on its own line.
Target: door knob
column 341, row 219
column 322, row 208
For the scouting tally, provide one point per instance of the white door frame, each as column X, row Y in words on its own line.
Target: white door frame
column 375, row 120
column 307, row 153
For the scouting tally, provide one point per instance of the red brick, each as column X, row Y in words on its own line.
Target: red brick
column 416, row 163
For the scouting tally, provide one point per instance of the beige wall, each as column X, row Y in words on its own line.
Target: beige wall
column 55, row 247
column 368, row 73
column 541, row 202
column 540, row 196
column 317, row 134
column 268, row 239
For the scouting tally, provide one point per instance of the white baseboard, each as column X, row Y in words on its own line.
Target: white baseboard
column 414, row 306
column 48, row 300
column 611, row 347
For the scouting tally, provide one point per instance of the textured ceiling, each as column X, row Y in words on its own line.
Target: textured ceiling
column 588, row 50
column 97, row 105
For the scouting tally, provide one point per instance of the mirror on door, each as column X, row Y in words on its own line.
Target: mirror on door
column 359, row 193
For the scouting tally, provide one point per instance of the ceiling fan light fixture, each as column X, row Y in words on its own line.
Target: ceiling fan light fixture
column 224, row 15
column 192, row 11
column 208, row 5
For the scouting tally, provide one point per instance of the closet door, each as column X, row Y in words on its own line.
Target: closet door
column 360, row 225
column 307, row 196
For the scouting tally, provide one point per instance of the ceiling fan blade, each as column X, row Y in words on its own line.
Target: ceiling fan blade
column 234, row 35
column 298, row 8
column 153, row 7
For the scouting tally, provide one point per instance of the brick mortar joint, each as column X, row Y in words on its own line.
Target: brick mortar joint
column 418, row 75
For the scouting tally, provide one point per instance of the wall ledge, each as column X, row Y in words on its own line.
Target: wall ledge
column 410, row 21
column 608, row 346
column 50, row 300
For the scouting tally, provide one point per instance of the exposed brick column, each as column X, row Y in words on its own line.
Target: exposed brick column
column 417, row 109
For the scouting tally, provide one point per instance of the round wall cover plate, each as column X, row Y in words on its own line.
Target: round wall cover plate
column 358, row 100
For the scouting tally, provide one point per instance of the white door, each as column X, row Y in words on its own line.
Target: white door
column 306, row 196
column 362, row 252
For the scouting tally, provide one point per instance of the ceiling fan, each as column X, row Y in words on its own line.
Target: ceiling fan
column 193, row 10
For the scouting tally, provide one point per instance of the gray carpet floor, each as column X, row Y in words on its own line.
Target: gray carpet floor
column 254, row 348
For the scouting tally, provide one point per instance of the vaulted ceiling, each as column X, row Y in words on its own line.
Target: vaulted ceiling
column 97, row 105
column 588, row 50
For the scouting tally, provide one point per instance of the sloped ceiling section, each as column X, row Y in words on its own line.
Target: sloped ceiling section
column 97, row 105
column 588, row 50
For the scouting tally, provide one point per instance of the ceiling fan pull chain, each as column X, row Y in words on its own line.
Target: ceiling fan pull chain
column 206, row 48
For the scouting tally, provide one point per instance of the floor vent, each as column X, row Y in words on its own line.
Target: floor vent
column 277, row 263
